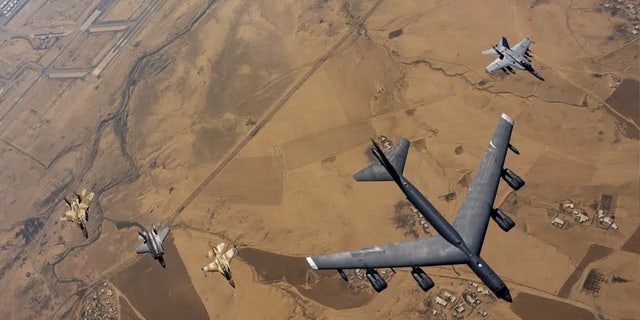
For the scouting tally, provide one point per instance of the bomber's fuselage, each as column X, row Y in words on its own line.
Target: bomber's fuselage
column 449, row 233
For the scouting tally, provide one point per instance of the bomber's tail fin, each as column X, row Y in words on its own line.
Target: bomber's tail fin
column 504, row 43
column 386, row 169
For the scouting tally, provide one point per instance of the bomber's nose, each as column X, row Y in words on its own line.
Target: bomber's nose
column 507, row 296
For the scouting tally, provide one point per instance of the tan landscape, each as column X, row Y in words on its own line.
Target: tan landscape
column 244, row 121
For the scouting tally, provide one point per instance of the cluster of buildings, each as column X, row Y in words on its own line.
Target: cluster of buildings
column 631, row 9
column 603, row 218
column 45, row 41
column 7, row 6
column 421, row 220
column 385, row 142
column 460, row 308
column 102, row 304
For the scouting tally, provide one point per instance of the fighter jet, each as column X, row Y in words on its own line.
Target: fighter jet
column 153, row 242
column 519, row 56
column 78, row 212
column 221, row 261
column 459, row 243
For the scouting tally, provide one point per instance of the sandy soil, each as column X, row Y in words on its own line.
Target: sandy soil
column 244, row 121
column 146, row 282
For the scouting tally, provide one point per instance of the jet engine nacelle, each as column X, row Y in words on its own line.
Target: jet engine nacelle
column 512, row 179
column 343, row 275
column 502, row 219
column 376, row 280
column 424, row 281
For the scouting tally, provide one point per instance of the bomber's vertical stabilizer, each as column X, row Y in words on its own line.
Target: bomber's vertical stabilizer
column 377, row 172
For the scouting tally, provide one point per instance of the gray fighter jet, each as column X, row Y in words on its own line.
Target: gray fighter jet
column 459, row 243
column 153, row 242
column 519, row 56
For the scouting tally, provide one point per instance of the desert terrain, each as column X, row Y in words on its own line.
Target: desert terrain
column 244, row 121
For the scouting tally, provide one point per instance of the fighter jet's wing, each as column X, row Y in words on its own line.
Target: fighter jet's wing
column 474, row 214
column 431, row 251
column 68, row 216
column 498, row 64
column 143, row 248
column 163, row 233
column 522, row 47
column 230, row 254
column 221, row 246
column 211, row 267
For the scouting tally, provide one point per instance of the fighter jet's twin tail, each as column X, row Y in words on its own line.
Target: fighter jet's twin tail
column 457, row 243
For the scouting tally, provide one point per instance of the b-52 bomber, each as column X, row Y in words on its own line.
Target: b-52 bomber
column 519, row 56
column 221, row 261
column 153, row 242
column 459, row 243
column 78, row 212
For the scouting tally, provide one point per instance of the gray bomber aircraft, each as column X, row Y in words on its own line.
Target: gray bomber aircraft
column 518, row 57
column 153, row 242
column 459, row 243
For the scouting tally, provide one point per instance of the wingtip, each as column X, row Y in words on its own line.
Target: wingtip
column 312, row 264
column 507, row 118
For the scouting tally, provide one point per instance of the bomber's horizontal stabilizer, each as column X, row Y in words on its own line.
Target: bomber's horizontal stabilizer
column 376, row 172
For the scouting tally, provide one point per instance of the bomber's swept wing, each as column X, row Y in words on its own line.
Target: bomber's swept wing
column 431, row 251
column 473, row 217
column 498, row 64
column 522, row 47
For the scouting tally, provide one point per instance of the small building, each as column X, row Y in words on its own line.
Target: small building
column 568, row 206
column 458, row 315
column 558, row 223
column 449, row 296
column 471, row 298
column 460, row 308
column 483, row 291
column 481, row 312
column 441, row 301
column 581, row 217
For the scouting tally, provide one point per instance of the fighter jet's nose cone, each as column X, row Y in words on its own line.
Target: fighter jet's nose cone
column 507, row 296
